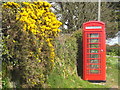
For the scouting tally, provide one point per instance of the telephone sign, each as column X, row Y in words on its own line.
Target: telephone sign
column 94, row 51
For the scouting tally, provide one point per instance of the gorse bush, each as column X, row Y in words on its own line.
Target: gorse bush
column 29, row 29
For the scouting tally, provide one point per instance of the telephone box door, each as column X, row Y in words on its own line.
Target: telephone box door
column 95, row 64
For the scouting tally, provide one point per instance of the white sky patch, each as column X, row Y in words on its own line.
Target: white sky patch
column 113, row 41
column 65, row 26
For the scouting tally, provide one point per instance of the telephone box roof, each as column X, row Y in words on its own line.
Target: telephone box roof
column 93, row 22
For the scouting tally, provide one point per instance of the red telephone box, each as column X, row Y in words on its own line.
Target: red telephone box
column 94, row 51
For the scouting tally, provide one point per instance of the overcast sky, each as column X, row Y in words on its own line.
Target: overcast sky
column 113, row 41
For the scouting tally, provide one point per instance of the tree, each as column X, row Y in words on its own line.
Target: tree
column 74, row 14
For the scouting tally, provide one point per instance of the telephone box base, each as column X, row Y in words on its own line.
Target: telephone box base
column 97, row 81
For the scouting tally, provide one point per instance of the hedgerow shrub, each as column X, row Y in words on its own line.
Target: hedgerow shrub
column 29, row 29
column 113, row 50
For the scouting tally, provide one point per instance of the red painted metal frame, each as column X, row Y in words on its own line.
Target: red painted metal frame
column 101, row 76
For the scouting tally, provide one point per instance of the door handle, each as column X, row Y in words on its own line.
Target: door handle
column 101, row 50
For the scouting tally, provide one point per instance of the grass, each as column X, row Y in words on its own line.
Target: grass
column 64, row 79
column 112, row 71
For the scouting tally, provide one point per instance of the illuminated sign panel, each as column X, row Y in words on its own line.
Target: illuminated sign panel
column 93, row 27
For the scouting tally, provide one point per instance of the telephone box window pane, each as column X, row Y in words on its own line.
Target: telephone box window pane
column 94, row 55
column 94, row 40
column 94, row 66
column 94, row 45
column 94, row 61
column 94, row 71
column 94, row 35
column 93, row 50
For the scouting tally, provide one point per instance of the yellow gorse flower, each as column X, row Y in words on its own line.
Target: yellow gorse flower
column 38, row 19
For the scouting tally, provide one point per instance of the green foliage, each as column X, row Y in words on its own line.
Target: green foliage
column 6, row 76
column 112, row 61
column 78, row 34
column 64, row 51
column 113, row 50
column 119, row 65
column 0, row 79
column 5, row 83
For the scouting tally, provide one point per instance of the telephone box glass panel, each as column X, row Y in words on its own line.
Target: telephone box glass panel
column 94, row 61
column 94, row 40
column 94, row 71
column 94, row 45
column 94, row 66
column 94, row 50
column 94, row 56
column 94, row 35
